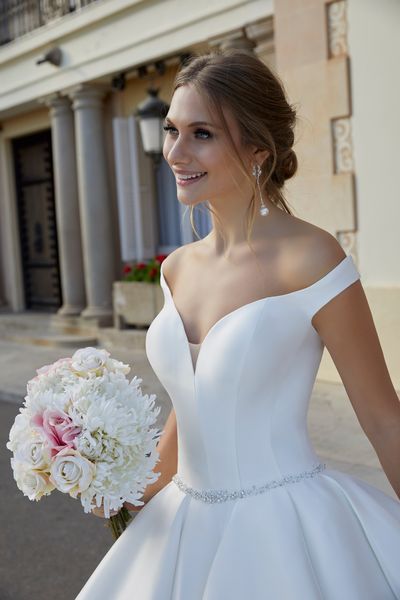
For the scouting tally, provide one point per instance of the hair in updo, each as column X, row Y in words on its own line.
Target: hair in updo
column 255, row 96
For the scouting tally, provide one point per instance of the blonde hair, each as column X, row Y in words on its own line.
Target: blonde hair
column 256, row 98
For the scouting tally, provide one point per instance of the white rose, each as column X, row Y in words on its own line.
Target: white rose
column 88, row 360
column 70, row 472
column 19, row 431
column 35, row 452
column 116, row 366
column 33, row 484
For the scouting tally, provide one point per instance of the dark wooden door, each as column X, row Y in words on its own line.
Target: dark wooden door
column 37, row 221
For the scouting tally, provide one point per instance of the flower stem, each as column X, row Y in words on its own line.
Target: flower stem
column 119, row 522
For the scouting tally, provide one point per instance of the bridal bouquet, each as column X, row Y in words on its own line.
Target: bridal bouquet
column 86, row 430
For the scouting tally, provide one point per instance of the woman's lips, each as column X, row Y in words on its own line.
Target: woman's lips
column 184, row 182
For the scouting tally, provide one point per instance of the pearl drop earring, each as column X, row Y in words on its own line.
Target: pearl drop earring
column 264, row 210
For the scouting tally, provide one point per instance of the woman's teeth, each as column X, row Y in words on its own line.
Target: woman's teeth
column 187, row 179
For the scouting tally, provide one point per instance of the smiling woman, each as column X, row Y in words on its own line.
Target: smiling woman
column 252, row 510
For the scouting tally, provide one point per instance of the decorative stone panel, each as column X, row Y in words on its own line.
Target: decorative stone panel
column 337, row 28
column 342, row 145
column 348, row 241
column 312, row 60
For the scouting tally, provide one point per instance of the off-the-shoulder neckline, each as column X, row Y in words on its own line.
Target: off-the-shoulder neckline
column 346, row 260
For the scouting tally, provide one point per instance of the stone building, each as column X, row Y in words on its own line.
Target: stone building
column 78, row 195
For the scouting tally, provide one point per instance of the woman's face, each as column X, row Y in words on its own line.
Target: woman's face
column 201, row 149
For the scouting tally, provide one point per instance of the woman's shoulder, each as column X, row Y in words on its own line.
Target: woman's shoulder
column 311, row 252
column 171, row 263
column 323, row 271
column 184, row 252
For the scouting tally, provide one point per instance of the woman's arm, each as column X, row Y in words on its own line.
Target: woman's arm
column 346, row 326
column 168, row 463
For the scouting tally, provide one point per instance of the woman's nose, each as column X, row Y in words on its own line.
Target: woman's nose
column 176, row 151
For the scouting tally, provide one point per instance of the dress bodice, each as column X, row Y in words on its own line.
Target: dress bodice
column 241, row 407
column 250, row 513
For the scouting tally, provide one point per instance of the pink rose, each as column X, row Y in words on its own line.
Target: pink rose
column 58, row 428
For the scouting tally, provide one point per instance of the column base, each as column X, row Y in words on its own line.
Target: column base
column 69, row 310
column 104, row 317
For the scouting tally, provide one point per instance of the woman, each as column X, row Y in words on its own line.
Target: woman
column 246, row 509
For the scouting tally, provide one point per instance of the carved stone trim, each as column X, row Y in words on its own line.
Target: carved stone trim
column 342, row 145
column 348, row 241
column 337, row 28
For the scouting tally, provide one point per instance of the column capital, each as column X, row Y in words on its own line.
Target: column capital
column 86, row 95
column 236, row 39
column 262, row 33
column 58, row 105
column 55, row 99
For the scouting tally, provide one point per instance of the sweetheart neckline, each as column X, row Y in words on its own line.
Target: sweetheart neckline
column 243, row 306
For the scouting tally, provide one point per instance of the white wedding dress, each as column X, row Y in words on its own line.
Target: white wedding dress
column 312, row 532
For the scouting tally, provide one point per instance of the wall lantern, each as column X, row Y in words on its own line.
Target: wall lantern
column 150, row 115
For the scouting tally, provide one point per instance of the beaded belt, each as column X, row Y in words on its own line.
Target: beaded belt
column 224, row 495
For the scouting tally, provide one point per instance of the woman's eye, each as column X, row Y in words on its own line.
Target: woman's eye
column 204, row 131
column 168, row 127
column 200, row 131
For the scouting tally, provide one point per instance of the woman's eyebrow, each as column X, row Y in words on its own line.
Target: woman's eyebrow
column 195, row 123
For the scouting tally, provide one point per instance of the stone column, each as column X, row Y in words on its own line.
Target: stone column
column 2, row 301
column 67, row 205
column 94, row 200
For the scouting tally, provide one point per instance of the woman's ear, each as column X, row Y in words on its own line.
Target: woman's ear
column 260, row 156
column 257, row 156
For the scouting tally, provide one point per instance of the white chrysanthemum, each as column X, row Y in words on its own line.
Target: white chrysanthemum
column 54, row 377
column 116, row 420
column 89, row 445
column 124, row 480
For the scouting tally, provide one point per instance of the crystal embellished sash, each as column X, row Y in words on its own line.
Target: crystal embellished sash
column 224, row 495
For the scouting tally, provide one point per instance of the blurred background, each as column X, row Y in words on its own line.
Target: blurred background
column 88, row 206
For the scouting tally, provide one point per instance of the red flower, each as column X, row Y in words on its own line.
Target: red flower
column 141, row 265
column 127, row 269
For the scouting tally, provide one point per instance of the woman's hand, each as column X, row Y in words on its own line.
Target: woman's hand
column 98, row 511
column 133, row 507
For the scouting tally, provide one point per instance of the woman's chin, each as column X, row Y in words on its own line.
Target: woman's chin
column 189, row 203
column 190, row 200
